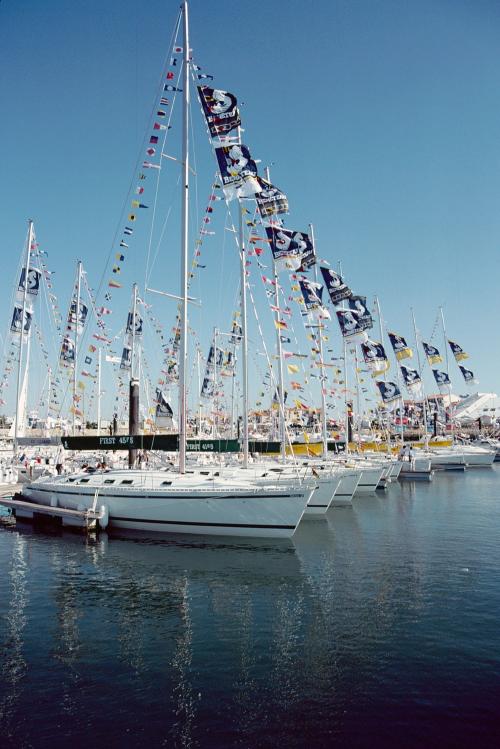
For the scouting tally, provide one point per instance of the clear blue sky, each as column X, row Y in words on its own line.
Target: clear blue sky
column 380, row 118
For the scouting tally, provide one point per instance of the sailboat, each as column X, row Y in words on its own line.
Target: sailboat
column 225, row 502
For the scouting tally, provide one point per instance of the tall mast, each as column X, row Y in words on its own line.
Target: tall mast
column 134, row 317
column 381, row 333
column 99, row 390
column 445, row 343
column 184, row 247
column 324, row 431
column 215, row 400
column 77, row 316
column 279, row 354
column 23, row 316
column 424, row 400
column 244, row 342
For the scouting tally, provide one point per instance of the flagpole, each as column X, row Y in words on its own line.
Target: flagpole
column 424, row 400
column 184, row 248
column 23, row 315
column 75, row 358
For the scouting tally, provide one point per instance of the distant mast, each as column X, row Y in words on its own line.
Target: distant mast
column 21, row 407
column 184, row 249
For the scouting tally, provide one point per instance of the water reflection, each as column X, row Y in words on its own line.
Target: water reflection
column 194, row 643
column 14, row 665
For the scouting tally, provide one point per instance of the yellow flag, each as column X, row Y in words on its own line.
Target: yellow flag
column 292, row 368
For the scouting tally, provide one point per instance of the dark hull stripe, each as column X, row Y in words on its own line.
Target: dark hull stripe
column 342, row 495
column 316, row 506
column 167, row 496
column 192, row 522
column 364, row 486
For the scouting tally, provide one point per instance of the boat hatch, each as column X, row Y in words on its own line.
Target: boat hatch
column 166, row 483
column 126, row 481
column 109, row 481
column 84, row 481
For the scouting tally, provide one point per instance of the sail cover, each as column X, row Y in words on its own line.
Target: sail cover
column 238, row 172
column 220, row 110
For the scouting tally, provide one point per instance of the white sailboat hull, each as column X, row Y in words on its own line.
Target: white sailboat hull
column 242, row 510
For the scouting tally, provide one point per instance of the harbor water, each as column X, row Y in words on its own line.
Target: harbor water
column 379, row 626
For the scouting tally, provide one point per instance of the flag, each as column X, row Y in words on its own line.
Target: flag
column 160, row 113
column 280, row 325
column 132, row 217
column 270, row 200
column 114, row 284
column 399, row 346
column 178, row 50
column 411, row 377
column 220, row 110
column 389, row 391
column 358, row 305
column 92, row 348
column 173, row 61
column 201, row 76
column 468, row 375
column 292, row 368
column 33, row 283
column 291, row 249
column 164, row 102
column 168, row 87
column 442, row 379
column 432, row 354
column 88, row 360
column 157, row 126
column 238, row 172
column 104, row 311
column 128, row 230
column 150, row 151
column 349, row 325
column 457, row 351
column 153, row 139
column 122, row 244
column 148, row 165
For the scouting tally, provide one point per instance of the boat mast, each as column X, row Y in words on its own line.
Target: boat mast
column 98, row 390
column 279, row 353
column 134, row 317
column 184, row 247
column 323, row 376
column 445, row 343
column 381, row 333
column 23, row 315
column 244, row 342
column 76, row 320
column 424, row 400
